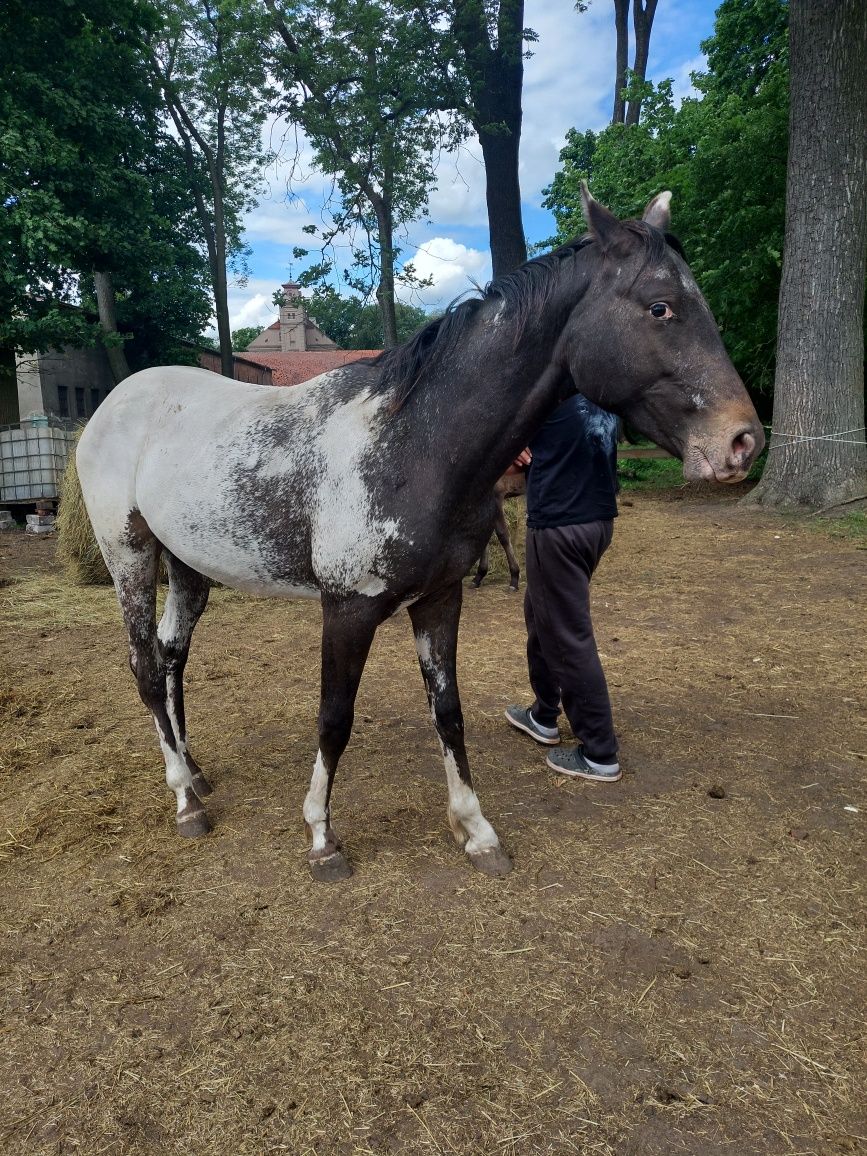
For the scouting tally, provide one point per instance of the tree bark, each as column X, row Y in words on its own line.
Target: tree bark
column 643, row 12
column 385, row 289
column 621, row 27
column 105, row 303
column 818, row 456
column 496, row 77
column 503, row 197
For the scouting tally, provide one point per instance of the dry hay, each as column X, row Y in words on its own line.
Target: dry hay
column 666, row 971
column 77, row 548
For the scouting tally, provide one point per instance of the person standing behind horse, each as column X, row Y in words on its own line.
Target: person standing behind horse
column 571, row 507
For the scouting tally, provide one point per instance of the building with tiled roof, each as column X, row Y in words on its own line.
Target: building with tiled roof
column 293, row 368
column 293, row 331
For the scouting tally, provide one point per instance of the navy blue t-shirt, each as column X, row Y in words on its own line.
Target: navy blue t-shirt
column 573, row 476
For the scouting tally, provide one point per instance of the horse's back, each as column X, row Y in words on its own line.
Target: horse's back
column 256, row 486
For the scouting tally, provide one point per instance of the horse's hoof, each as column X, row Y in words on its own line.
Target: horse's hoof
column 513, row 589
column 193, row 825
column 494, row 861
column 330, row 868
column 201, row 785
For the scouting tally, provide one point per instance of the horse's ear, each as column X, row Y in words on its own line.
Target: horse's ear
column 601, row 222
column 658, row 212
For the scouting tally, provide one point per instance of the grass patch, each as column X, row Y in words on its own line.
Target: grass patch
column 852, row 527
column 649, row 473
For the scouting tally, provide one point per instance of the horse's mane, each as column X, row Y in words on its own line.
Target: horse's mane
column 523, row 293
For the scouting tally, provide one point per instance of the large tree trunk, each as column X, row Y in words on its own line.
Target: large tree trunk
column 221, row 288
column 105, row 303
column 385, row 289
column 621, row 27
column 503, row 195
column 818, row 455
column 643, row 12
column 496, row 77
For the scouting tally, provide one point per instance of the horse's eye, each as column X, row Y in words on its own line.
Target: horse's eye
column 661, row 310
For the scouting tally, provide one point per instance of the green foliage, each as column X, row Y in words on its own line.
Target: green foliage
column 208, row 62
column 354, row 324
column 89, row 181
column 241, row 338
column 724, row 158
column 360, row 80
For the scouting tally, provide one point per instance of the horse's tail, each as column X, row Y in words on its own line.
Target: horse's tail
column 77, row 548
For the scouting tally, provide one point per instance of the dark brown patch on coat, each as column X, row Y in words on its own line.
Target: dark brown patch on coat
column 138, row 532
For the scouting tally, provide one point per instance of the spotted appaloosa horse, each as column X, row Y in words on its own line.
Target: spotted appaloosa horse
column 371, row 487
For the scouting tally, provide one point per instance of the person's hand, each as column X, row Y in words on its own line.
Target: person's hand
column 520, row 463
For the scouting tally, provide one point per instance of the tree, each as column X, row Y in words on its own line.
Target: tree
column 490, row 37
column 86, row 185
column 643, row 12
column 357, row 78
column 818, row 455
column 209, row 64
column 724, row 157
column 241, row 338
column 353, row 324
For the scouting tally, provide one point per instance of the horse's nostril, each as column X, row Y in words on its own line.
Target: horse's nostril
column 743, row 446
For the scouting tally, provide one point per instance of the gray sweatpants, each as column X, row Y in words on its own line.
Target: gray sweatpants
column 562, row 657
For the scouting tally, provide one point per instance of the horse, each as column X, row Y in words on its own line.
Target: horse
column 371, row 486
column 509, row 486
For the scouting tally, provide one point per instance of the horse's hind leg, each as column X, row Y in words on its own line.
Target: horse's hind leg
column 187, row 598
column 133, row 563
column 501, row 529
column 484, row 565
column 435, row 623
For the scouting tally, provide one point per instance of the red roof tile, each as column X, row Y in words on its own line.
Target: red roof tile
column 293, row 368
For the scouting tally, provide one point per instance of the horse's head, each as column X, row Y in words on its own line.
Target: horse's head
column 643, row 343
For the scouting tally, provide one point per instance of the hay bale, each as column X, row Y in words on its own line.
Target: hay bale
column 76, row 544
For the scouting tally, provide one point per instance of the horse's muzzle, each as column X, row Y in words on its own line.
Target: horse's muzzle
column 726, row 458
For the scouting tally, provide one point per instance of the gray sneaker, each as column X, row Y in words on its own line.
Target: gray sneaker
column 522, row 718
column 574, row 762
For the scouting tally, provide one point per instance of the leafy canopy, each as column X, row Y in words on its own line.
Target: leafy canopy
column 89, row 181
column 723, row 155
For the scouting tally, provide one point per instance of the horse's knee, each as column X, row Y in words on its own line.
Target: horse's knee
column 449, row 719
column 335, row 727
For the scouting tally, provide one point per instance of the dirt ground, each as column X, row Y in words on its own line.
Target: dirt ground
column 676, row 964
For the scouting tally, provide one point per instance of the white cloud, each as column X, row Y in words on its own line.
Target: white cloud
column 250, row 304
column 459, row 198
column 568, row 82
column 453, row 267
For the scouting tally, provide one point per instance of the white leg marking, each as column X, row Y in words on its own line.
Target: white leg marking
column 178, row 777
column 464, row 810
column 170, row 710
column 314, row 810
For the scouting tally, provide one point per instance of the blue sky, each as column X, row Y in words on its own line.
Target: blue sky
column 568, row 82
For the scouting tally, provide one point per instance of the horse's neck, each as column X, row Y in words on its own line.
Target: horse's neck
column 484, row 412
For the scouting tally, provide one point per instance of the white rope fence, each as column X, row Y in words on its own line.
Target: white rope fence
column 839, row 437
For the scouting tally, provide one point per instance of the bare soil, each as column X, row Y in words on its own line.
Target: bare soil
column 676, row 964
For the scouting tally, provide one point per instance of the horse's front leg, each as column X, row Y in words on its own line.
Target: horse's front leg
column 435, row 623
column 348, row 627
